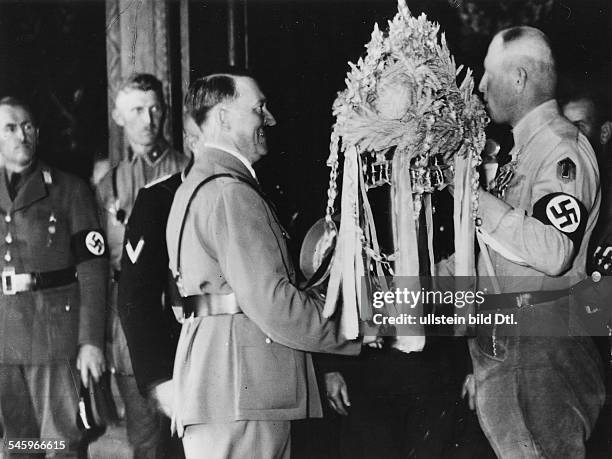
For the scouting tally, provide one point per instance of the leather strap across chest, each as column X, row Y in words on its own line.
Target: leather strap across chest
column 189, row 202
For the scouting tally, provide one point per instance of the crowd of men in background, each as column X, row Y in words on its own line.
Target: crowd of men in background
column 244, row 369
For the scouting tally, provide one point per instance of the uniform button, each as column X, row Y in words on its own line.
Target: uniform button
column 8, row 239
column 7, row 257
column 268, row 340
column 67, row 307
column 7, row 218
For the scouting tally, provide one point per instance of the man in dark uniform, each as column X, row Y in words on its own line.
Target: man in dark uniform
column 54, row 274
column 147, row 292
column 139, row 109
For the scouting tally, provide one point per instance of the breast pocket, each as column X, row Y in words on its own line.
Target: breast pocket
column 267, row 371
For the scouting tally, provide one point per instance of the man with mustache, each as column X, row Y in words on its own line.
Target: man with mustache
column 52, row 299
column 537, row 385
column 242, row 370
column 140, row 111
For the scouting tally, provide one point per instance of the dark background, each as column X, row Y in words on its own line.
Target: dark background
column 53, row 54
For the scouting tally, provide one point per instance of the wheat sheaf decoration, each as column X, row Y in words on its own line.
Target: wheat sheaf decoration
column 402, row 120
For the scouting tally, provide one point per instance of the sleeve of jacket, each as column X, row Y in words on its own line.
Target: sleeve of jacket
column 250, row 254
column 144, row 276
column 91, row 264
column 542, row 246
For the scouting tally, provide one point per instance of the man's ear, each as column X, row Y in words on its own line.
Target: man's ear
column 519, row 78
column 223, row 117
column 605, row 132
column 118, row 117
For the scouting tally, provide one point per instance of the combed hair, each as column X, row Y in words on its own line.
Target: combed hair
column 143, row 82
column 16, row 102
column 211, row 90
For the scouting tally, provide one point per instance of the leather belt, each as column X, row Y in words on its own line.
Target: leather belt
column 13, row 283
column 519, row 300
column 210, row 305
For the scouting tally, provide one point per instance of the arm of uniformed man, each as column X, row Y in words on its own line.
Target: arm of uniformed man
column 90, row 254
column 256, row 265
column 548, row 239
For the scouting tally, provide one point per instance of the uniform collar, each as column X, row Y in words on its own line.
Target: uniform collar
column 153, row 156
column 533, row 122
column 235, row 154
column 215, row 161
column 32, row 190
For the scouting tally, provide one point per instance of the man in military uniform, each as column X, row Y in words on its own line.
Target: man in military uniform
column 54, row 273
column 242, row 370
column 148, row 294
column 537, row 386
column 139, row 109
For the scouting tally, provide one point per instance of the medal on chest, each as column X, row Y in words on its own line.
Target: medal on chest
column 504, row 176
column 502, row 180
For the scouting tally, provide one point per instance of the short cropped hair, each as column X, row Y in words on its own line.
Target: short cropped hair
column 142, row 82
column 538, row 52
column 16, row 102
column 211, row 90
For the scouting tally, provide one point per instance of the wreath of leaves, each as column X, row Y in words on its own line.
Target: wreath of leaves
column 441, row 118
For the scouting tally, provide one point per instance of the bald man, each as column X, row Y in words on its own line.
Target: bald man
column 537, row 386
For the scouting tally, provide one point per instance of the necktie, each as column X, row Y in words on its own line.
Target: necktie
column 13, row 185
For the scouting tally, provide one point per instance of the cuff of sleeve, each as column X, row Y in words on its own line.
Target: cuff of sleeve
column 492, row 210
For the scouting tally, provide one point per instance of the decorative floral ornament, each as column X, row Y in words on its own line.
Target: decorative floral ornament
column 404, row 121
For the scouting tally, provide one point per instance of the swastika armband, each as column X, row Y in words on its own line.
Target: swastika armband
column 565, row 213
column 88, row 244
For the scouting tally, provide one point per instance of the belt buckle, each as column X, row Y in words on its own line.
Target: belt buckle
column 8, row 283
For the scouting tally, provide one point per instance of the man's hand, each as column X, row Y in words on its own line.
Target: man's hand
column 90, row 361
column 469, row 389
column 337, row 392
column 163, row 394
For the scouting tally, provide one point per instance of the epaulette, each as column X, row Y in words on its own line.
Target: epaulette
column 158, row 180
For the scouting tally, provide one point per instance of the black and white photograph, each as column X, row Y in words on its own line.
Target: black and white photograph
column 306, row 229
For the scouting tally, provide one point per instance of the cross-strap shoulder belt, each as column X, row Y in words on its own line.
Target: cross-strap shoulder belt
column 189, row 202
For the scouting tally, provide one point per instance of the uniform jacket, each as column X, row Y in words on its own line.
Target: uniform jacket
column 146, row 288
column 544, row 223
column 51, row 225
column 254, row 365
column 116, row 195
column 553, row 159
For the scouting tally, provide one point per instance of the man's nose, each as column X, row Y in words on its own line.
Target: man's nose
column 21, row 133
column 269, row 118
column 146, row 117
column 483, row 84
